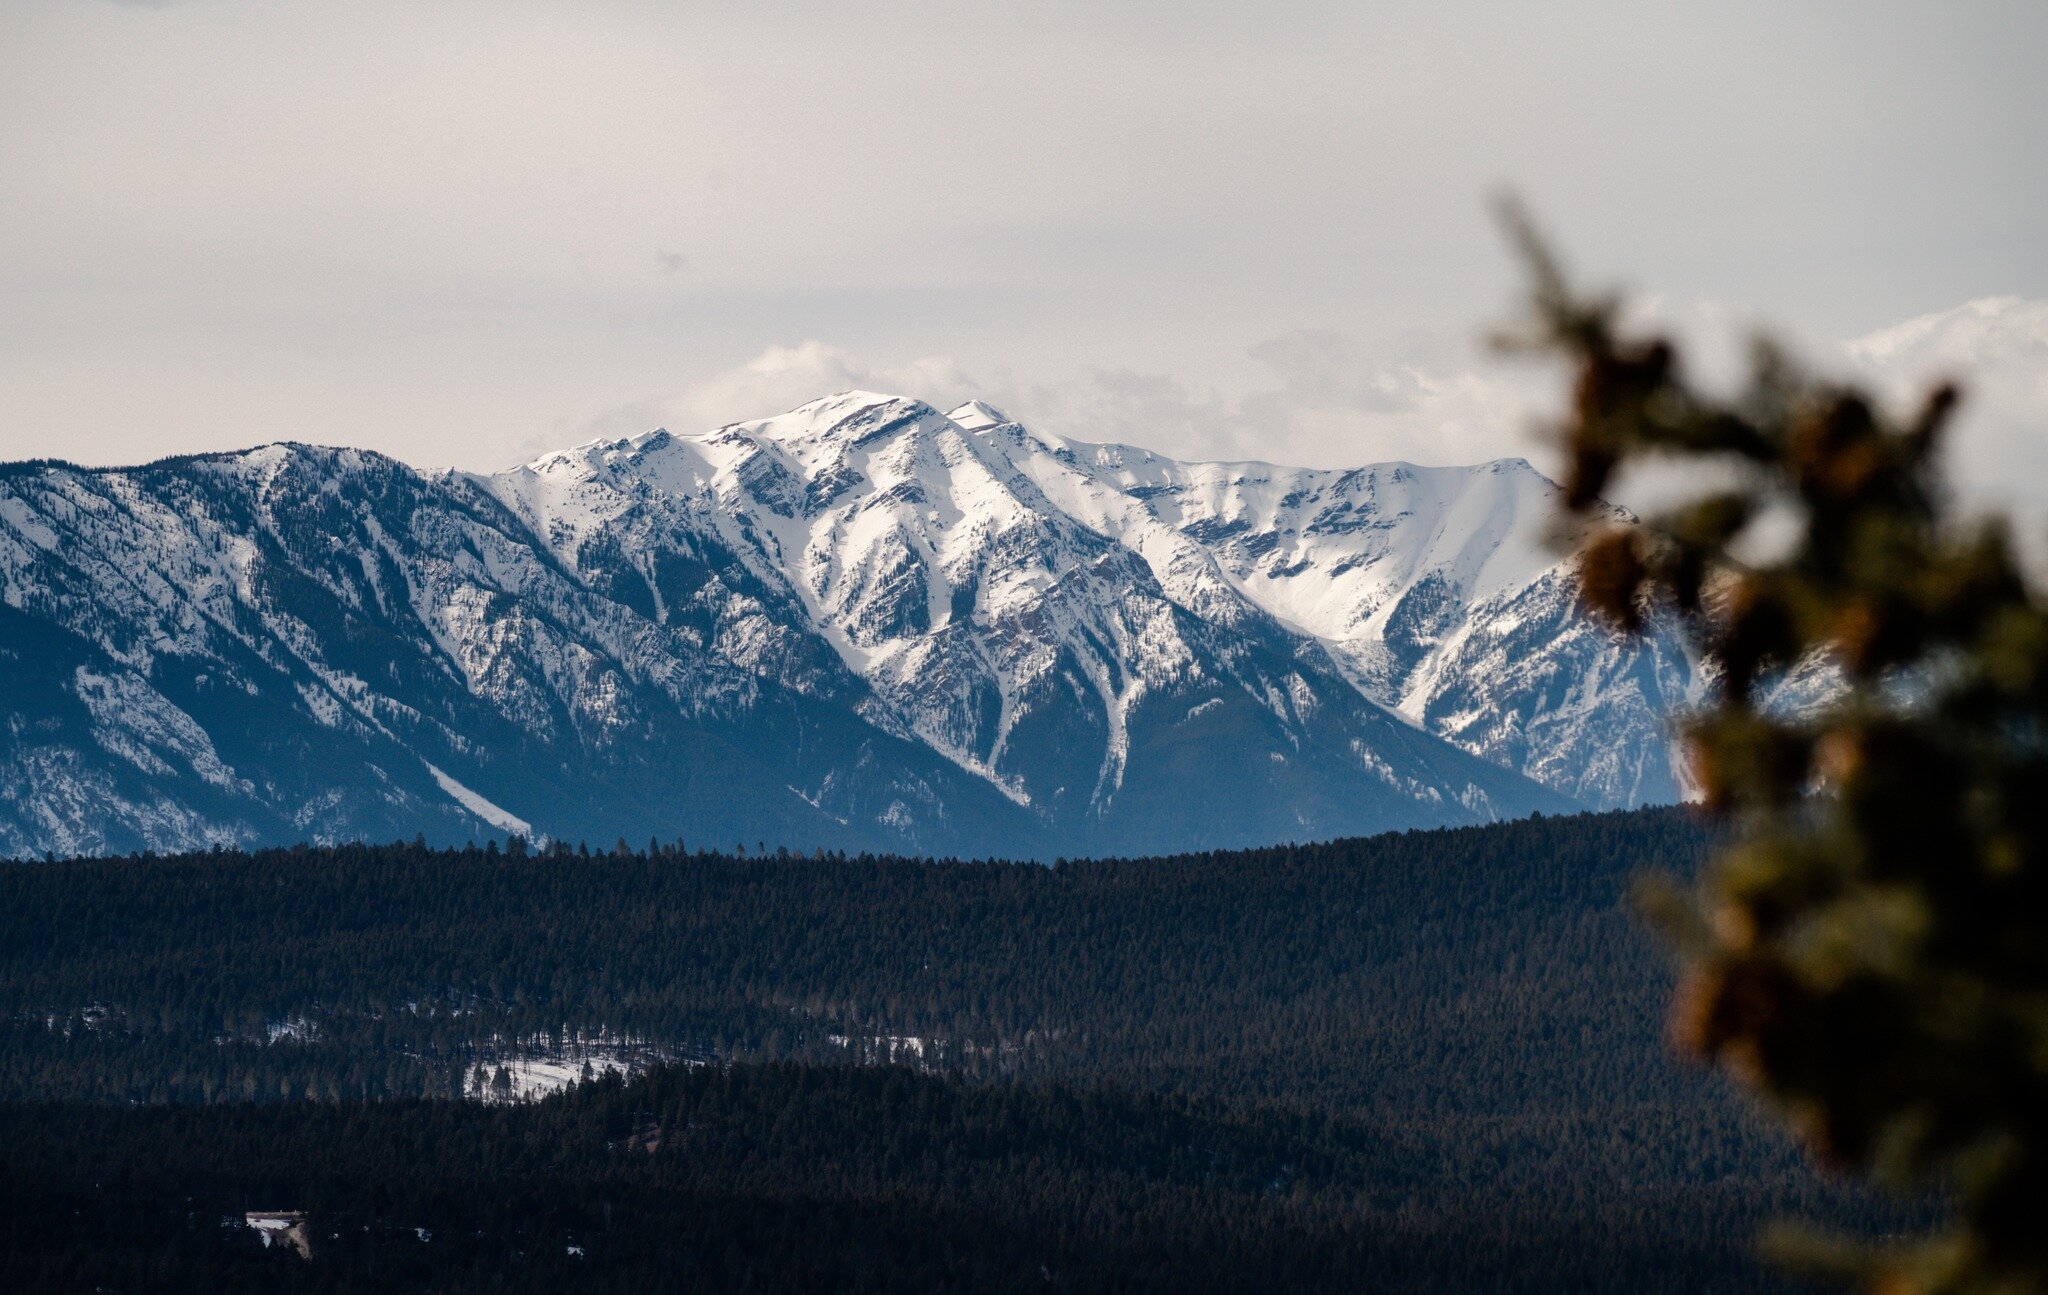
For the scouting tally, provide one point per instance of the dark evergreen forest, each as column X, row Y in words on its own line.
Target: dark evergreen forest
column 1425, row 1061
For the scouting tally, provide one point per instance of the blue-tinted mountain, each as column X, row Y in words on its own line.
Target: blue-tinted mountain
column 864, row 624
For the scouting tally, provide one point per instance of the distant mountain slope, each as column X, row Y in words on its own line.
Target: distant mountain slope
column 1125, row 693
column 1432, row 588
column 304, row 643
column 861, row 624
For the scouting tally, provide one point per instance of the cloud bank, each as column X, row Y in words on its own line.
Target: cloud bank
column 455, row 231
column 1323, row 398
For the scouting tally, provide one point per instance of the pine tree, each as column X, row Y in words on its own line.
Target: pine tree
column 1870, row 951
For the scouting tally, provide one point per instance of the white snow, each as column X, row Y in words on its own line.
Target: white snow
column 503, row 820
column 533, row 1078
column 884, row 519
column 977, row 414
column 16, row 514
column 969, row 575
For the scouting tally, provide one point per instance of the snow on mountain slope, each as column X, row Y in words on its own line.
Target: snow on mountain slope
column 1432, row 588
column 1000, row 629
column 916, row 542
column 862, row 623
column 297, row 643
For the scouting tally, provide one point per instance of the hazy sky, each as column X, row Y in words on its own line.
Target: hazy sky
column 464, row 233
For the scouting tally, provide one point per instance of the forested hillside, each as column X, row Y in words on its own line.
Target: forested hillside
column 785, row 1178
column 1442, row 1048
column 1429, row 972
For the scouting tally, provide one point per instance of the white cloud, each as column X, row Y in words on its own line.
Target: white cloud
column 1324, row 398
column 778, row 379
column 783, row 377
column 440, row 230
column 1997, row 349
column 1991, row 333
column 1315, row 398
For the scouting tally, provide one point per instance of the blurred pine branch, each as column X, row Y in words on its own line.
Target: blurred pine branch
column 1869, row 953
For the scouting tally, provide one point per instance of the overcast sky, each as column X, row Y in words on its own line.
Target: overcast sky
column 466, row 233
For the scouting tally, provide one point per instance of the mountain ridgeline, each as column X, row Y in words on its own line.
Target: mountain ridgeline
column 862, row 625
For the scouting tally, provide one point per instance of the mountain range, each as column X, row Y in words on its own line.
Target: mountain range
column 863, row 624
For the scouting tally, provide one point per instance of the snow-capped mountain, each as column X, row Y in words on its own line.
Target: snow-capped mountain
column 298, row 643
column 861, row 624
column 1433, row 589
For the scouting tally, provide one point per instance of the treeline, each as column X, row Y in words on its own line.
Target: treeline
column 1490, row 982
column 1422, row 972
column 1456, row 1033
column 787, row 1177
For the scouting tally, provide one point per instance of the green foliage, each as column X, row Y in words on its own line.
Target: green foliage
column 1870, row 950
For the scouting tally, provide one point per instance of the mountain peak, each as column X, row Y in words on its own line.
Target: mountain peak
column 977, row 414
column 841, row 405
column 841, row 412
column 862, row 621
column 818, row 432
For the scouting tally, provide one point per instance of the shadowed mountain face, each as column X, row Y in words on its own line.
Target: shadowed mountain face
column 863, row 624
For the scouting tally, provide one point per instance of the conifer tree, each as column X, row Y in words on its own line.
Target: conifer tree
column 1869, row 951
